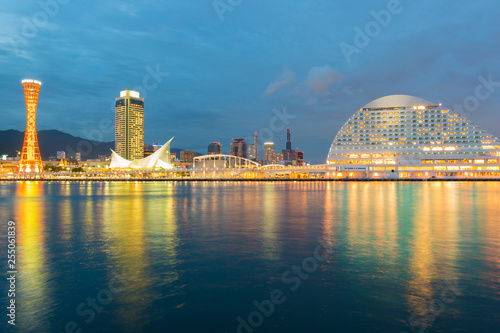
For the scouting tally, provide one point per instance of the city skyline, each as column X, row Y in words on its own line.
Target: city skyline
column 200, row 78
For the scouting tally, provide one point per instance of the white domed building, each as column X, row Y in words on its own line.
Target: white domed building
column 401, row 136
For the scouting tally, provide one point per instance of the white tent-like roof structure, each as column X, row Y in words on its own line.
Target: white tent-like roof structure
column 159, row 159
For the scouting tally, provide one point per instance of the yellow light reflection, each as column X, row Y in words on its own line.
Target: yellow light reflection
column 34, row 289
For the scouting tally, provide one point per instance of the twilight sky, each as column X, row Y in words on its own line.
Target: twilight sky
column 216, row 70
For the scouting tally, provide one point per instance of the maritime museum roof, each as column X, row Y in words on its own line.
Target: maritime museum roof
column 159, row 159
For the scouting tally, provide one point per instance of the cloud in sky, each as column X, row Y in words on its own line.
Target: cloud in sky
column 321, row 78
column 287, row 78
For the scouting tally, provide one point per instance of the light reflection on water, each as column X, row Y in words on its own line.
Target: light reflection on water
column 198, row 254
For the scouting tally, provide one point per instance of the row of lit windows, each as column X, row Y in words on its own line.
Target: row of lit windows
column 450, row 132
column 408, row 122
column 407, row 119
column 393, row 162
column 438, row 153
column 376, row 162
column 384, row 128
column 403, row 115
column 463, row 161
column 415, row 131
column 383, row 142
column 406, row 128
column 409, row 127
column 397, row 135
column 420, row 137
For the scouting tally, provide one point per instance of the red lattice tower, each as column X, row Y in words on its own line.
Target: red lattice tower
column 31, row 161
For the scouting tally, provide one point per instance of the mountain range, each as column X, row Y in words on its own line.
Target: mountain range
column 51, row 141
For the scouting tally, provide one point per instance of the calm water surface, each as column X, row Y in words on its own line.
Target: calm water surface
column 195, row 257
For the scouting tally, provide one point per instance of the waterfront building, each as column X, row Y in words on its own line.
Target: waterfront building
column 68, row 162
column 402, row 136
column 214, row 148
column 129, row 125
column 289, row 155
column 270, row 155
column 253, row 149
column 187, row 156
column 159, row 159
column 30, row 160
column 239, row 148
column 300, row 157
column 269, row 150
column 78, row 156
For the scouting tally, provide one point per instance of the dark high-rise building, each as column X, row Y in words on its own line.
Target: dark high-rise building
column 214, row 148
column 239, row 148
column 288, row 141
column 300, row 158
column 289, row 155
column 187, row 156
column 253, row 149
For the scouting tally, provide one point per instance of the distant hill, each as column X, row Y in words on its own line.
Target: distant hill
column 51, row 141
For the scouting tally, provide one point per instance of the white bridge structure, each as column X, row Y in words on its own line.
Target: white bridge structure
column 228, row 166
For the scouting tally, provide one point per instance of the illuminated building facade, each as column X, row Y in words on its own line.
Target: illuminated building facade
column 30, row 160
column 129, row 125
column 239, row 148
column 214, row 148
column 187, row 156
column 402, row 136
column 270, row 154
